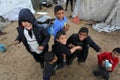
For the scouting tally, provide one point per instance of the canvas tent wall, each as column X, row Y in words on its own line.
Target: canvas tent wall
column 93, row 9
column 10, row 8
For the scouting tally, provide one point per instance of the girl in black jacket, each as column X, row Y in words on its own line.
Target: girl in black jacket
column 34, row 37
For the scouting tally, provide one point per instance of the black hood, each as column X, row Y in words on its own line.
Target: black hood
column 26, row 15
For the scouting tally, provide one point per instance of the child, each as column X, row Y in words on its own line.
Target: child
column 61, row 21
column 50, row 66
column 105, row 67
column 33, row 36
column 81, row 39
column 60, row 48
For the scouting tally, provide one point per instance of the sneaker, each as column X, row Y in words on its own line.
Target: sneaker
column 96, row 73
column 106, row 76
column 2, row 33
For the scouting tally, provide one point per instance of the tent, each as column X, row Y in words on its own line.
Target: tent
column 107, row 11
column 9, row 9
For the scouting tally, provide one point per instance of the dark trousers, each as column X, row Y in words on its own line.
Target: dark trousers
column 81, row 55
column 71, row 2
column 39, row 57
column 46, row 77
column 101, row 71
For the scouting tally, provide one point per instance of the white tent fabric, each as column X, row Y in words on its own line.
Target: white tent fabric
column 116, row 19
column 99, row 10
column 9, row 9
column 93, row 9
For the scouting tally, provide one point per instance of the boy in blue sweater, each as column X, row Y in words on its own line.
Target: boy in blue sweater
column 61, row 21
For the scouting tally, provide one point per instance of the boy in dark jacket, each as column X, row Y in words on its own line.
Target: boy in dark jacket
column 34, row 37
column 60, row 48
column 81, row 39
column 50, row 66
column 107, row 62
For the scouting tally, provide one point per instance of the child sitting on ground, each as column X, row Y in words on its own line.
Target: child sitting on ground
column 107, row 62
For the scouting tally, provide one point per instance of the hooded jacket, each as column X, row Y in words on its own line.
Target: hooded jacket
column 40, row 33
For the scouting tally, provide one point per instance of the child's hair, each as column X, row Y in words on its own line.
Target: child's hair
column 59, row 33
column 117, row 50
column 57, row 8
column 84, row 29
column 49, row 56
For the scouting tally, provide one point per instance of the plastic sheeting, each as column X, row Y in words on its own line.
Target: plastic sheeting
column 97, row 10
column 105, row 27
column 9, row 9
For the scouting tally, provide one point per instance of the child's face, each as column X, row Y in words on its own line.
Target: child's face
column 82, row 36
column 62, row 39
column 60, row 14
column 115, row 54
column 27, row 25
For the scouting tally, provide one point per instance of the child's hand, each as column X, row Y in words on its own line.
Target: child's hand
column 71, row 45
column 64, row 57
column 78, row 47
column 16, row 42
column 41, row 48
column 100, row 50
column 109, row 69
column 103, row 64
column 66, row 27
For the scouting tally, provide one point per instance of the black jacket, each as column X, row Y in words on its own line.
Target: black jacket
column 40, row 33
column 60, row 49
column 88, row 42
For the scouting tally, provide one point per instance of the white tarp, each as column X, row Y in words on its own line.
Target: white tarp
column 9, row 9
column 96, row 10
column 116, row 19
column 99, row 10
column 105, row 27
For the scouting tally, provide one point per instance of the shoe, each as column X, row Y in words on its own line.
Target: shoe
column 42, row 65
column 106, row 76
column 2, row 33
column 96, row 73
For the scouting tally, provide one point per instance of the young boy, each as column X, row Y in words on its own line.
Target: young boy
column 81, row 39
column 50, row 66
column 32, row 35
column 61, row 21
column 107, row 62
column 60, row 48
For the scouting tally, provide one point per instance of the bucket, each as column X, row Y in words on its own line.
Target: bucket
column 2, row 48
